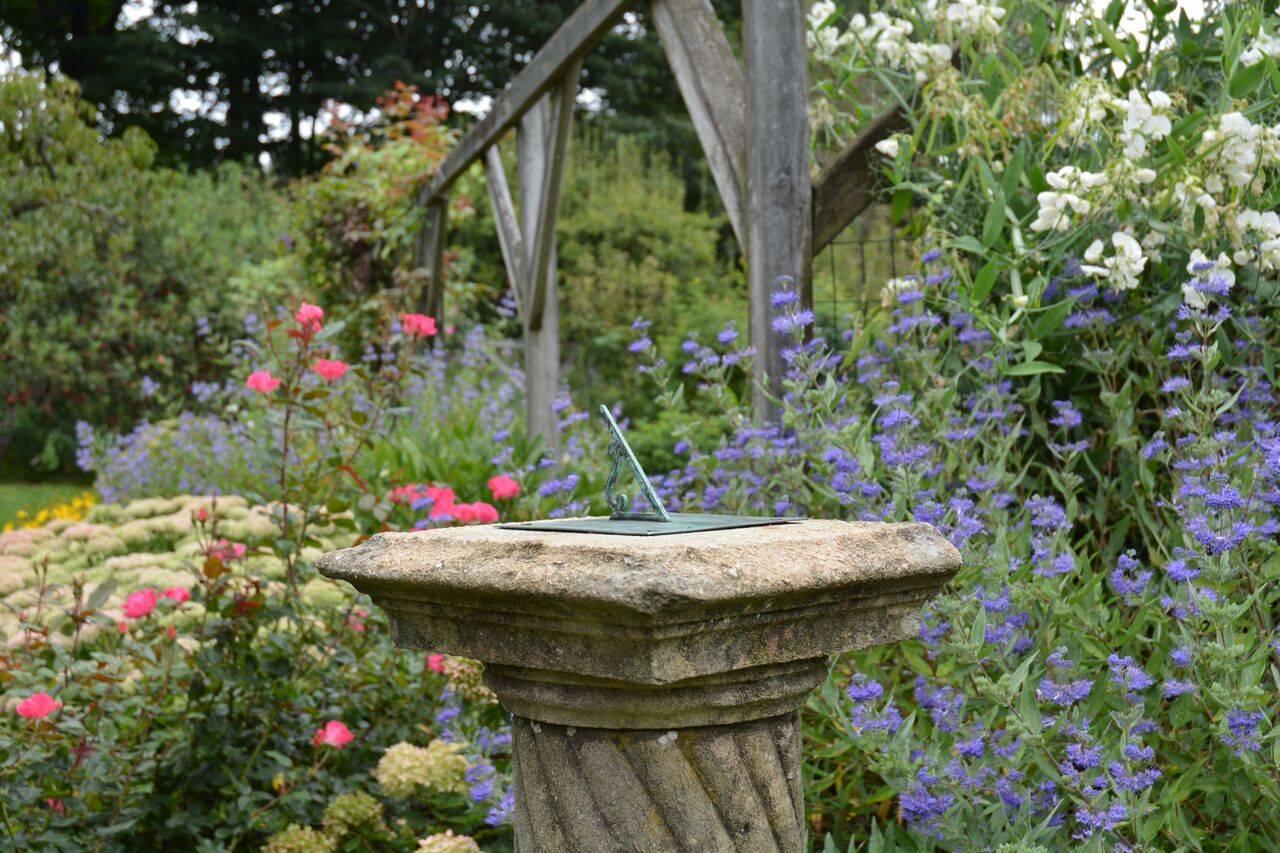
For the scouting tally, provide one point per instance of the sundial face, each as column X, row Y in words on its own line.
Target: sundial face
column 657, row 522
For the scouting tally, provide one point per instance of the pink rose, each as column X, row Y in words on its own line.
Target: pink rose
column 442, row 499
column 418, row 325
column 140, row 603
column 177, row 593
column 329, row 369
column 503, row 487
column 333, row 733
column 355, row 620
column 463, row 513
column 406, row 494
column 262, row 381
column 227, row 551
column 38, row 706
column 309, row 318
column 484, row 513
column 435, row 663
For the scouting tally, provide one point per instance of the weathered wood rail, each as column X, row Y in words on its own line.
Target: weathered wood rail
column 752, row 120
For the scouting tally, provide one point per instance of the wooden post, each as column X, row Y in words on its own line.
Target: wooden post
column 430, row 256
column 541, row 147
column 778, row 197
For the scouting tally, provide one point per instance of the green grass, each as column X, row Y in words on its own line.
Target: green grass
column 33, row 497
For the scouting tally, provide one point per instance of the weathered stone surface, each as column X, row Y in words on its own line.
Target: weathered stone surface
column 652, row 610
column 654, row 681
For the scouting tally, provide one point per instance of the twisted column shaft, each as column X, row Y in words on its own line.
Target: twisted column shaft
column 707, row 788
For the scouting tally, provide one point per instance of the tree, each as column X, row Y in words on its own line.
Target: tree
column 245, row 62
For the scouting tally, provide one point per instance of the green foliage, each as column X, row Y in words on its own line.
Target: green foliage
column 109, row 269
column 359, row 216
column 628, row 246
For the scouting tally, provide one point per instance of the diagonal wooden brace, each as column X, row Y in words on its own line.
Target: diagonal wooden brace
column 505, row 217
column 553, row 123
column 710, row 81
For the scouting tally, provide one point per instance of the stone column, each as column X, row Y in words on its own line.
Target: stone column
column 654, row 681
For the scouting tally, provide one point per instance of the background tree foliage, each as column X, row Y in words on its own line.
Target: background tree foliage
column 246, row 58
column 112, row 269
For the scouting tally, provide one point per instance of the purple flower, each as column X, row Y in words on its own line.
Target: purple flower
column 1101, row 820
column 1242, row 731
column 1064, row 694
column 862, row 689
column 1067, row 415
column 1128, row 675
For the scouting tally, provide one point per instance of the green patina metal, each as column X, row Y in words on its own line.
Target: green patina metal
column 656, row 521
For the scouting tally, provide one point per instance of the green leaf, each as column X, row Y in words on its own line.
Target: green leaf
column 993, row 224
column 1113, row 42
column 978, row 634
column 984, row 281
column 968, row 244
column 1032, row 368
column 901, row 204
column 100, row 594
column 1013, row 171
column 1246, row 80
column 1051, row 320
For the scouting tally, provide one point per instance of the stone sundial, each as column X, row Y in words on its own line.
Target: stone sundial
column 654, row 680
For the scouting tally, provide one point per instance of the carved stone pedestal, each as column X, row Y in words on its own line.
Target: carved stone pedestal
column 654, row 681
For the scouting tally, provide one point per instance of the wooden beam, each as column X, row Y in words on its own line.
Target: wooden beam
column 566, row 47
column 778, row 198
column 556, row 129
column 430, row 256
column 710, row 81
column 508, row 225
column 848, row 184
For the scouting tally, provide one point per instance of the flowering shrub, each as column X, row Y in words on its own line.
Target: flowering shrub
column 1076, row 389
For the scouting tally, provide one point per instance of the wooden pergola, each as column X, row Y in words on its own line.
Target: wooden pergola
column 752, row 121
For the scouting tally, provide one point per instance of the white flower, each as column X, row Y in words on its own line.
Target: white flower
column 1262, row 228
column 1146, row 117
column 1070, row 185
column 1122, row 269
column 1240, row 149
column 889, row 147
column 1265, row 45
column 1085, row 107
column 889, row 40
column 890, row 289
column 969, row 17
column 825, row 41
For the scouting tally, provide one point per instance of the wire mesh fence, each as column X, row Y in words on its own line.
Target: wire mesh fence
column 848, row 274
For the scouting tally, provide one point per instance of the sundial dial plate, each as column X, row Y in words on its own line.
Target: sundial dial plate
column 680, row 522
column 658, row 522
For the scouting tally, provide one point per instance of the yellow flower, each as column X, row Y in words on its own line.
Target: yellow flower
column 73, row 509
